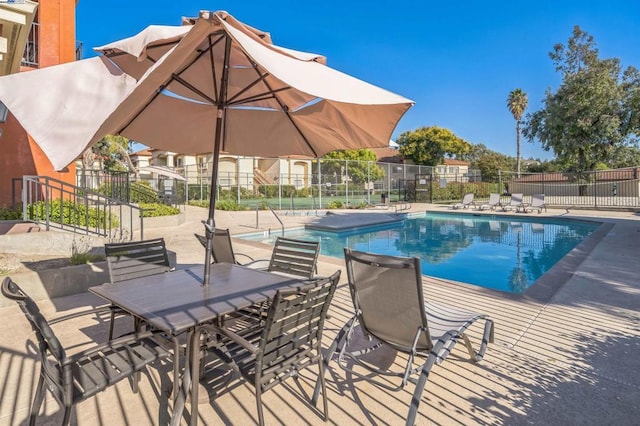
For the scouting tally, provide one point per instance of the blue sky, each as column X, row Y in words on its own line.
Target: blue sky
column 457, row 61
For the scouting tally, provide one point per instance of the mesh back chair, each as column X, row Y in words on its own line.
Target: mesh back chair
column 135, row 259
column 516, row 203
column 72, row 379
column 289, row 341
column 389, row 306
column 221, row 247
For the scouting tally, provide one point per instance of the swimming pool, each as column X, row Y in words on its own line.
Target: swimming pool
column 503, row 253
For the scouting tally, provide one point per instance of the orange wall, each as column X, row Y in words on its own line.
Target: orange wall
column 19, row 155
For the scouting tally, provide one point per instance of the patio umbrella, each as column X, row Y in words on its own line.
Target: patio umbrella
column 223, row 86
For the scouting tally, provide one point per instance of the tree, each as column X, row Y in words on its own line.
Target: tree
column 517, row 103
column 594, row 111
column 489, row 162
column 429, row 145
column 360, row 168
column 113, row 153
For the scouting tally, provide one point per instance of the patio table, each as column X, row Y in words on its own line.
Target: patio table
column 177, row 302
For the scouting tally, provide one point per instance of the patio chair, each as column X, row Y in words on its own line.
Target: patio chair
column 537, row 203
column 75, row 378
column 389, row 307
column 222, row 248
column 492, row 204
column 134, row 259
column 516, row 203
column 289, row 341
column 467, row 201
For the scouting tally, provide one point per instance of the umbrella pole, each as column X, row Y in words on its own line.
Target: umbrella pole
column 210, row 223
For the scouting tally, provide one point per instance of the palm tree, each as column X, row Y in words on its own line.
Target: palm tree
column 517, row 102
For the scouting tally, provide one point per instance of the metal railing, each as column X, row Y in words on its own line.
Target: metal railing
column 30, row 56
column 58, row 204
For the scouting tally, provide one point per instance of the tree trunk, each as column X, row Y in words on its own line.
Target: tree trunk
column 518, row 147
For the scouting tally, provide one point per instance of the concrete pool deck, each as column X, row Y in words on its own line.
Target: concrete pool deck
column 571, row 359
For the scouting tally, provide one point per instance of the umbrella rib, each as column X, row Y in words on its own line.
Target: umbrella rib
column 260, row 96
column 284, row 107
column 212, row 60
column 249, row 86
column 192, row 88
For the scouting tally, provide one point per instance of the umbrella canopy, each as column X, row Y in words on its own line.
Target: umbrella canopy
column 219, row 84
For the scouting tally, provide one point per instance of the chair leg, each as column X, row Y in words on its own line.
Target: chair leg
column 324, row 389
column 111, row 320
column 336, row 346
column 259, row 403
column 37, row 400
column 67, row 415
column 424, row 376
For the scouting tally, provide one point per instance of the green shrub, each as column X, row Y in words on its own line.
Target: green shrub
column 141, row 192
column 198, row 203
column 157, row 209
column 229, row 205
column 68, row 213
column 334, row 204
column 7, row 213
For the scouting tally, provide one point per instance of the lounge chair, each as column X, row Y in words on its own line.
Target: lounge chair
column 74, row 378
column 516, row 203
column 492, row 204
column 537, row 203
column 289, row 342
column 390, row 308
column 467, row 201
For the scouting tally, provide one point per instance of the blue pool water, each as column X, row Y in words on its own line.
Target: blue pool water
column 503, row 253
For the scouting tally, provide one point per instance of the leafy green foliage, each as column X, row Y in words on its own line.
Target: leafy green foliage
column 69, row 213
column 517, row 103
column 229, row 205
column 141, row 192
column 429, row 145
column 489, row 162
column 157, row 209
column 113, row 153
column 335, row 204
column 360, row 167
column 594, row 111
column 7, row 213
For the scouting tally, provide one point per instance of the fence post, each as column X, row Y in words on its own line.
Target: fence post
column 346, row 181
column 319, row 183
column 369, row 182
column 279, row 187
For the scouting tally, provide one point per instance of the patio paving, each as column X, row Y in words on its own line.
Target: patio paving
column 570, row 359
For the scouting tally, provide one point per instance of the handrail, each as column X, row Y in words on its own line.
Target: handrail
column 48, row 190
column 277, row 217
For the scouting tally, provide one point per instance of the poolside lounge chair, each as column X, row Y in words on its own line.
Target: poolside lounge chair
column 74, row 378
column 390, row 308
column 516, row 203
column 467, row 201
column 537, row 203
column 289, row 342
column 492, row 204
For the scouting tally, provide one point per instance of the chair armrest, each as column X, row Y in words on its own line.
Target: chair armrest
column 80, row 314
column 233, row 337
column 256, row 264
column 129, row 338
column 251, row 259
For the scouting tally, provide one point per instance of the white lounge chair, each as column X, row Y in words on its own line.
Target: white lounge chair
column 494, row 201
column 516, row 203
column 467, row 201
column 537, row 203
